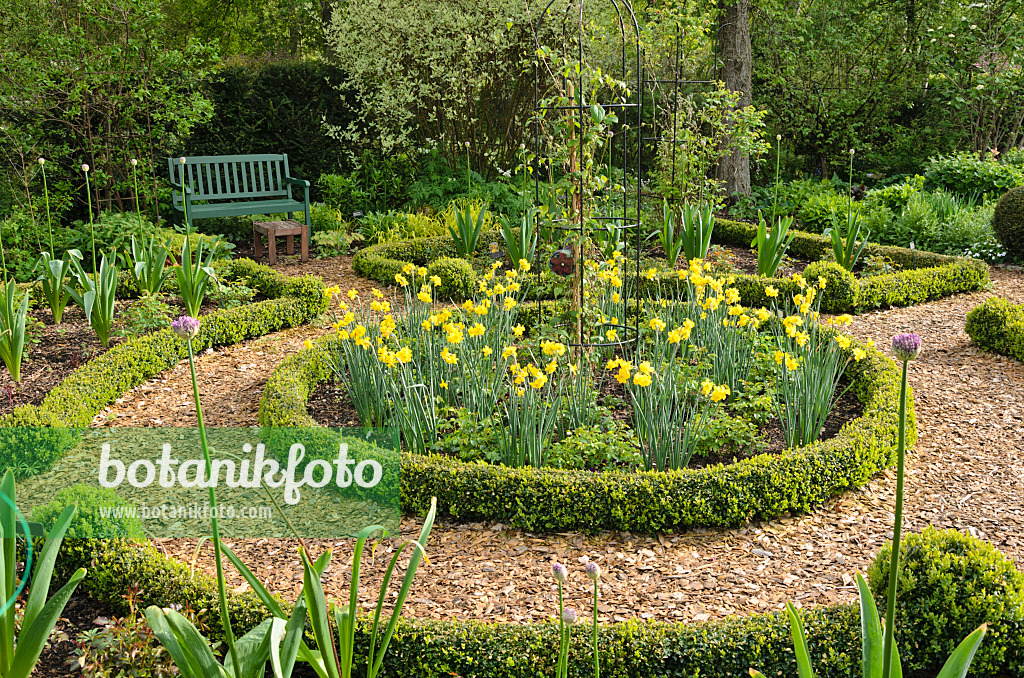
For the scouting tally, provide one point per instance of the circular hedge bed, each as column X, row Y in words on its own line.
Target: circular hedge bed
column 553, row 500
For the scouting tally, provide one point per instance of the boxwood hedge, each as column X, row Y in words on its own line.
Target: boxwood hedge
column 924, row 276
column 998, row 326
column 631, row 649
column 554, row 500
column 82, row 395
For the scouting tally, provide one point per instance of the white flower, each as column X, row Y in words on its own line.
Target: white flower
column 134, row 162
column 181, row 160
column 85, row 168
column 42, row 161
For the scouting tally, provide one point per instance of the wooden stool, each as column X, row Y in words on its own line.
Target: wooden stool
column 272, row 229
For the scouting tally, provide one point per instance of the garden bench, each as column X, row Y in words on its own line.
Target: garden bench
column 233, row 186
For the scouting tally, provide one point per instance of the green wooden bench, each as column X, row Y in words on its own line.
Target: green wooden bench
column 233, row 186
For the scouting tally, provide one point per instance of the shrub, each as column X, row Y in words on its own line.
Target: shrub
column 964, row 174
column 950, row 584
column 457, row 277
column 1008, row 221
column 998, row 326
column 841, row 289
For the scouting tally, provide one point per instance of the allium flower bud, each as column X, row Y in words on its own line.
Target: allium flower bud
column 851, row 151
column 42, row 161
column 85, row 168
column 181, row 160
column 559, row 572
column 134, row 162
column 185, row 327
column 778, row 137
column 593, row 571
column 906, row 346
column 569, row 615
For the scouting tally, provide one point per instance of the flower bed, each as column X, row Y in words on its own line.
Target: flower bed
column 993, row 589
column 998, row 326
column 924, row 276
column 90, row 388
column 534, row 498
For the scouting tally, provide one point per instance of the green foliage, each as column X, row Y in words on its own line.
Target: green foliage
column 114, row 232
column 601, row 447
column 97, row 296
column 279, row 107
column 122, row 647
column 521, row 243
column 148, row 314
column 964, row 175
column 89, row 522
column 148, row 265
column 13, row 312
column 195, row 277
column 1008, row 221
column 949, row 584
column 772, row 245
column 21, row 644
column 849, row 240
column 457, row 278
column 76, row 400
column 470, row 217
column 54, row 279
column 416, row 87
column 841, row 288
column 998, row 326
column 231, row 295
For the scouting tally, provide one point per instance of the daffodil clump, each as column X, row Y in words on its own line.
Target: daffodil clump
column 810, row 358
column 410, row 367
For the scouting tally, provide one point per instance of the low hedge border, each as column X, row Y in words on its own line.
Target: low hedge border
column 83, row 394
column 925, row 276
column 998, row 326
column 632, row 649
column 537, row 500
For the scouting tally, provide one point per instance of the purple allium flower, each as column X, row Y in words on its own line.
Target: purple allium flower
column 185, row 327
column 559, row 572
column 593, row 571
column 569, row 615
column 906, row 346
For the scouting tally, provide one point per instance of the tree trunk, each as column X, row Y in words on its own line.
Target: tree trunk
column 737, row 63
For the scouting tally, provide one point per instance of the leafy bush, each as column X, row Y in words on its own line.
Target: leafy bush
column 148, row 314
column 964, row 174
column 457, row 277
column 949, row 584
column 1008, row 221
column 998, row 326
column 113, row 231
column 89, row 522
column 840, row 293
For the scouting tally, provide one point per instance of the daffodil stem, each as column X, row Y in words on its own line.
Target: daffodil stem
column 894, row 560
column 229, row 636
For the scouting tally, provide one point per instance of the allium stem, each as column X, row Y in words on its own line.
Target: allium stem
column 221, row 589
column 597, row 658
column 894, row 561
column 46, row 195
column 562, row 671
column 92, row 226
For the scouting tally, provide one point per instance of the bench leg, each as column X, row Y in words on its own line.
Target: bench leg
column 257, row 244
column 272, row 245
column 304, row 243
column 289, row 244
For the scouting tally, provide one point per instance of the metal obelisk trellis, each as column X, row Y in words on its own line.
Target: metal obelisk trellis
column 626, row 219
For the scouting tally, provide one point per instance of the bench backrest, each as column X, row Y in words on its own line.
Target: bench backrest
column 231, row 177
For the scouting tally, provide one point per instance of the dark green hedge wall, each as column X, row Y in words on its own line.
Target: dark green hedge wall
column 278, row 107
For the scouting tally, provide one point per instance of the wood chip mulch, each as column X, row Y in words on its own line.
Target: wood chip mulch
column 964, row 474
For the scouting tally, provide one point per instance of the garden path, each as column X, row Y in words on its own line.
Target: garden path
column 964, row 474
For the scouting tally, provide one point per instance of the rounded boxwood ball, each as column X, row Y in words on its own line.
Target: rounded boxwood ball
column 1008, row 221
column 949, row 585
column 840, row 293
column 457, row 278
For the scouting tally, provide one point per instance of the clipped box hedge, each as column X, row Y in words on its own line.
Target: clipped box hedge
column 998, row 326
column 555, row 500
column 925, row 276
column 638, row 649
column 83, row 394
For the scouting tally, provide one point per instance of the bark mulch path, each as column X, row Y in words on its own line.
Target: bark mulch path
column 963, row 474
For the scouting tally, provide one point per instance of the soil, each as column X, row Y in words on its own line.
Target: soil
column 81, row 614
column 55, row 351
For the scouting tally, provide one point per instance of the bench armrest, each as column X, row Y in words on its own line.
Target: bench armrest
column 296, row 182
column 187, row 190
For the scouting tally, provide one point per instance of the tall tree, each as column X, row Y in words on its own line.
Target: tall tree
column 737, row 66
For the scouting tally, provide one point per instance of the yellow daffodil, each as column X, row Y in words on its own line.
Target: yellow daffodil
column 518, row 331
column 308, row 344
column 641, row 379
column 509, row 303
column 476, row 330
column 449, row 357
column 657, row 324
column 401, row 280
column 859, row 354
column 486, row 351
column 524, row 265
column 509, row 352
column 352, row 294
column 791, row 363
